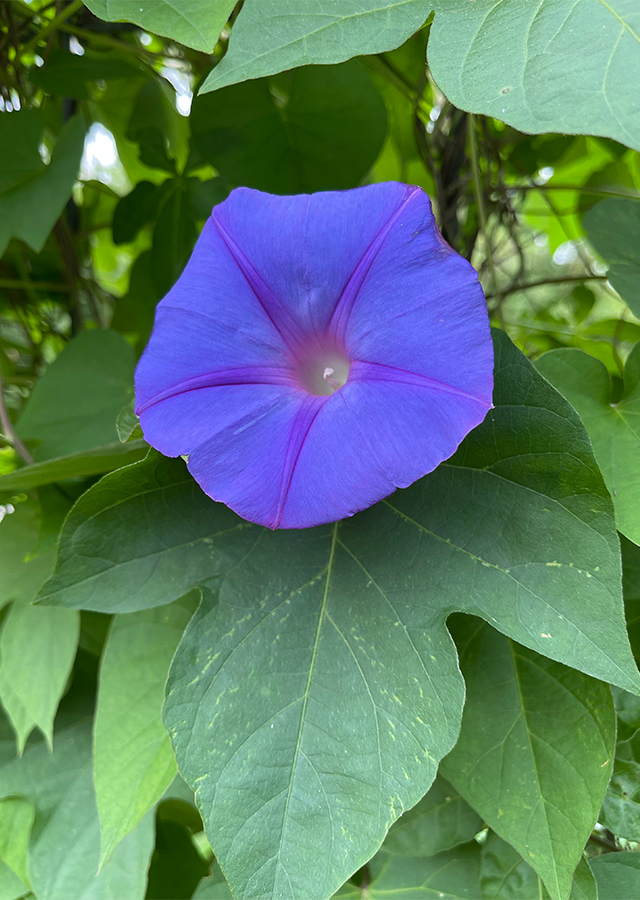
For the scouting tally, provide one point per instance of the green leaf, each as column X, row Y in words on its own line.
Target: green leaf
column 614, row 428
column 46, row 190
column 74, row 406
column 321, row 129
column 11, row 887
column 441, row 820
column 65, row 846
column 613, row 227
column 173, row 238
column 138, row 208
column 631, row 590
column 504, row 875
column 451, row 875
column 37, row 649
column 133, row 760
column 537, row 739
column 191, row 22
column 568, row 66
column 20, row 576
column 134, row 313
column 75, row 465
column 621, row 809
column 584, row 886
column 618, row 875
column 16, row 821
column 540, row 79
column 204, row 195
column 128, row 424
column 214, row 887
column 316, row 777
column 272, row 35
column 176, row 865
column 170, row 556
column 20, row 135
column 316, row 624
column 68, row 75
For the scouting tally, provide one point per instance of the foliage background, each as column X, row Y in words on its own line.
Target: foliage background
column 122, row 125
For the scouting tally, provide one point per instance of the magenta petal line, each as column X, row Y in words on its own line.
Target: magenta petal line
column 364, row 370
column 239, row 376
column 282, row 320
column 342, row 311
column 303, row 422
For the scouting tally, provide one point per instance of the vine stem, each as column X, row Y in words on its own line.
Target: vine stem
column 25, row 285
column 9, row 430
column 603, row 192
column 566, row 279
column 477, row 186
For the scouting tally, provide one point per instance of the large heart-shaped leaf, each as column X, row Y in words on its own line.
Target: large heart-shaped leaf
column 335, row 636
column 272, row 35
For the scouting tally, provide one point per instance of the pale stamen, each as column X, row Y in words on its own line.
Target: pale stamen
column 328, row 372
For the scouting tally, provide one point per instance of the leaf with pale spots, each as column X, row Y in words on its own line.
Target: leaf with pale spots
column 317, row 688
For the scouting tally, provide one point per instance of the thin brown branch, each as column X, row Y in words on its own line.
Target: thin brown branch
column 8, row 429
column 566, row 279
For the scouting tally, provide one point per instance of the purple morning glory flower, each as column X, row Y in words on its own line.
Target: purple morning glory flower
column 316, row 353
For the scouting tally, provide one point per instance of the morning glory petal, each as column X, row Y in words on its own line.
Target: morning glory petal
column 441, row 299
column 318, row 352
column 210, row 320
column 249, row 465
column 371, row 437
column 308, row 257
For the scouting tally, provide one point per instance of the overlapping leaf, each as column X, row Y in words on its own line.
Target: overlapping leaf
column 322, row 132
column 441, row 820
column 558, row 65
column 614, row 428
column 32, row 195
column 133, row 760
column 613, row 227
column 190, row 22
column 75, row 404
column 95, row 461
column 537, row 739
column 504, row 875
column 65, row 845
column 617, row 875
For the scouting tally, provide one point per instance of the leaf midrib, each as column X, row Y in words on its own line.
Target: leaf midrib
column 525, row 720
column 305, row 696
